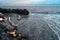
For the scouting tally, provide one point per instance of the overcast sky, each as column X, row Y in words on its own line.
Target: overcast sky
column 29, row 2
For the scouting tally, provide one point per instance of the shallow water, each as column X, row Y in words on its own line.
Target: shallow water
column 38, row 26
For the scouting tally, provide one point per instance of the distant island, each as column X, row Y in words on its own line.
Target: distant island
column 18, row 11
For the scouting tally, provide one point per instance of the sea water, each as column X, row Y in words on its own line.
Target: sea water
column 37, row 26
column 42, row 23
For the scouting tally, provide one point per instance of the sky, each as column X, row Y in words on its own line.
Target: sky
column 29, row 2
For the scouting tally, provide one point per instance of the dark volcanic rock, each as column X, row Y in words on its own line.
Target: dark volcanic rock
column 18, row 11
